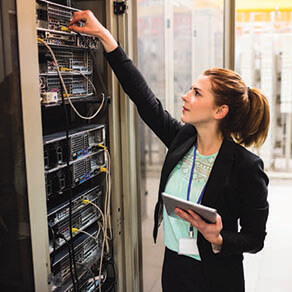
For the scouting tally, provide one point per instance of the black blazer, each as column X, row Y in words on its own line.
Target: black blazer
column 237, row 185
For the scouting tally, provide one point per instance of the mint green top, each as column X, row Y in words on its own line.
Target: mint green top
column 177, row 185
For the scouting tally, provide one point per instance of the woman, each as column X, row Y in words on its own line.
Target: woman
column 205, row 163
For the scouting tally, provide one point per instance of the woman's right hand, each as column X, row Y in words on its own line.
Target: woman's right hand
column 92, row 27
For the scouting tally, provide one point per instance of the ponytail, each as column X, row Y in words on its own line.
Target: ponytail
column 255, row 126
column 248, row 118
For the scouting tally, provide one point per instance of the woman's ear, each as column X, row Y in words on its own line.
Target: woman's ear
column 221, row 111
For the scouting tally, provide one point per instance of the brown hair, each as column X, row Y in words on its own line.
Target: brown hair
column 248, row 118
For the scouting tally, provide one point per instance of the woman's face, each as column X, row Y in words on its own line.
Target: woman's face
column 199, row 104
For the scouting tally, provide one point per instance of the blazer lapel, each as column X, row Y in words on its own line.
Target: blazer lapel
column 219, row 173
column 173, row 157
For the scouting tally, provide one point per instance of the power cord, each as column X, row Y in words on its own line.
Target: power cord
column 69, row 177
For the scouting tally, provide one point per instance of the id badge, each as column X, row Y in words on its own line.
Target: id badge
column 188, row 246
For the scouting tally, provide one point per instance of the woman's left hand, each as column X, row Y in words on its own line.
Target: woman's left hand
column 211, row 232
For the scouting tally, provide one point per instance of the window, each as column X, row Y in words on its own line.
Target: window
column 177, row 41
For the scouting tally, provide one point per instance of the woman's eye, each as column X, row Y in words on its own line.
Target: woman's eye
column 196, row 92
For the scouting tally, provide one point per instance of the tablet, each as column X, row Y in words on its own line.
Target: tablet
column 171, row 202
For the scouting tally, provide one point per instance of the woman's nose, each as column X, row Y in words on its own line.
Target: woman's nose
column 185, row 96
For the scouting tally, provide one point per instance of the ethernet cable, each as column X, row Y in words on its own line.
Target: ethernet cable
column 75, row 230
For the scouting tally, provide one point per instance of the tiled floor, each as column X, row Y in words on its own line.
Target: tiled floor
column 268, row 271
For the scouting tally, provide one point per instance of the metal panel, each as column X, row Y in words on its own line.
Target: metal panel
column 123, row 27
column 229, row 34
column 27, row 43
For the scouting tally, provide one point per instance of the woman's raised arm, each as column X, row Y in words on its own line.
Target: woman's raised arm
column 85, row 22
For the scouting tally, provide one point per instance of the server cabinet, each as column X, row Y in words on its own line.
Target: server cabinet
column 76, row 235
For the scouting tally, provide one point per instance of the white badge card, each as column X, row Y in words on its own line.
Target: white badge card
column 188, row 246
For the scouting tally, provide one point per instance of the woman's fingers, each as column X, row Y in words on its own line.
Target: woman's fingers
column 90, row 25
column 209, row 231
column 77, row 16
column 192, row 218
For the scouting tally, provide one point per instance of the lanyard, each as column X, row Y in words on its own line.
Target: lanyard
column 191, row 178
column 189, row 187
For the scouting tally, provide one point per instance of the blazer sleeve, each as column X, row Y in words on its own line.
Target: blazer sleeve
column 149, row 107
column 253, row 212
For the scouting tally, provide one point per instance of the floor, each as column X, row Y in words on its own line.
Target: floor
column 268, row 271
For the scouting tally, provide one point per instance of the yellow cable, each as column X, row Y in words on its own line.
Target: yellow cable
column 65, row 69
column 102, row 146
column 64, row 28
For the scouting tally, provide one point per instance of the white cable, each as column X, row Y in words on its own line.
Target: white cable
column 88, row 234
column 64, row 86
column 101, row 258
column 107, row 222
column 98, row 208
column 108, row 195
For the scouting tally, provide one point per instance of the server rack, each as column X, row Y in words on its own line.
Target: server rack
column 37, row 111
column 76, row 159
